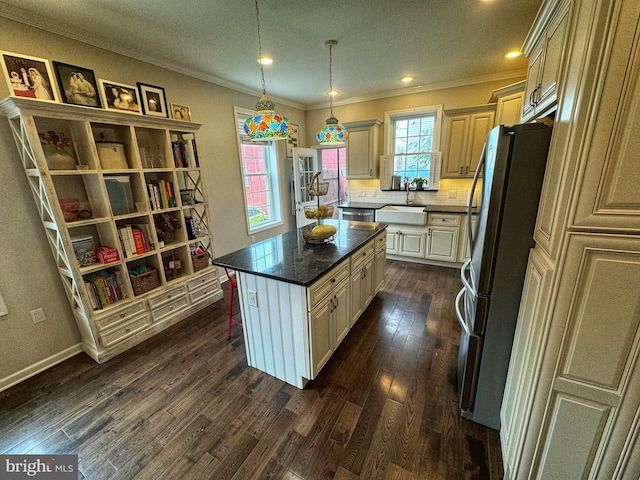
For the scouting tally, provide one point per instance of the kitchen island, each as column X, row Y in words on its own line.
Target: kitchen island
column 299, row 300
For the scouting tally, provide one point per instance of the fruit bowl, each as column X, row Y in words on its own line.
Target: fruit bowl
column 319, row 233
column 317, row 189
column 319, row 212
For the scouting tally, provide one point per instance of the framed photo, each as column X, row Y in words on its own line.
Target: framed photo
column 180, row 112
column 118, row 96
column 292, row 139
column 29, row 77
column 154, row 101
column 77, row 85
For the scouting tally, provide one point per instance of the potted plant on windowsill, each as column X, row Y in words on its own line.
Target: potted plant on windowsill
column 420, row 183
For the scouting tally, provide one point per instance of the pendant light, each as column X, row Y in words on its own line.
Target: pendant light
column 332, row 133
column 266, row 124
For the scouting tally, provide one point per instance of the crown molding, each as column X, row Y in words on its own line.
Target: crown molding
column 423, row 88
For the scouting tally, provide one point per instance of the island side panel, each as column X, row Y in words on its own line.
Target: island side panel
column 276, row 329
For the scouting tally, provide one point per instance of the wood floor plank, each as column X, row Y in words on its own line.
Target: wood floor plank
column 184, row 404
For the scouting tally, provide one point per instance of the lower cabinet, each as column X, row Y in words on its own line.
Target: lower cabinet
column 408, row 242
column 328, row 325
column 380, row 260
column 362, row 280
column 442, row 244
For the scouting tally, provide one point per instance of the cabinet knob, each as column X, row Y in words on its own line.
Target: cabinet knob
column 127, row 330
column 122, row 315
column 333, row 280
column 461, row 169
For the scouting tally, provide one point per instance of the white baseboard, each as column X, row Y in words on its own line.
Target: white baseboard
column 38, row 367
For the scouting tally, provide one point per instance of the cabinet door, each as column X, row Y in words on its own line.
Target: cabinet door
column 392, row 241
column 379, row 267
column 509, row 110
column 321, row 335
column 359, row 155
column 356, row 295
column 455, row 145
column 341, row 313
column 533, row 74
column 442, row 243
column 412, row 244
column 368, row 282
column 479, row 126
column 553, row 53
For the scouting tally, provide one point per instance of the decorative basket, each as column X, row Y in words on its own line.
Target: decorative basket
column 319, row 212
column 317, row 189
column 145, row 282
column 316, row 235
column 199, row 261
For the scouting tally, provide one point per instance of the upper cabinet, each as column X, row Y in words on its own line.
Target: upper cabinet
column 508, row 102
column 362, row 149
column 544, row 47
column 465, row 130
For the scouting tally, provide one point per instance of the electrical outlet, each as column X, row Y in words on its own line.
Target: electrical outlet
column 253, row 239
column 38, row 315
column 253, row 298
column 453, row 194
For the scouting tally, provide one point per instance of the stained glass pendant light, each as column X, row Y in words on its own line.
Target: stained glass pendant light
column 332, row 133
column 266, row 124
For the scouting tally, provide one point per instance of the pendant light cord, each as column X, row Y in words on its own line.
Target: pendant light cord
column 330, row 79
column 260, row 48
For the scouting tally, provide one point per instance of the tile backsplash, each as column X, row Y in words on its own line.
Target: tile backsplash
column 452, row 191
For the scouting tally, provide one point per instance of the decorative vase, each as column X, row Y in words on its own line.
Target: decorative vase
column 58, row 158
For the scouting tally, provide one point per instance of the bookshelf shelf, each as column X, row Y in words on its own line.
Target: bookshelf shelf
column 132, row 170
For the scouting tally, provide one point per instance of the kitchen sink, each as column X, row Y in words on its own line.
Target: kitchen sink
column 402, row 214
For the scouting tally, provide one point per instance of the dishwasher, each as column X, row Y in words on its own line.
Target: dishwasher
column 358, row 214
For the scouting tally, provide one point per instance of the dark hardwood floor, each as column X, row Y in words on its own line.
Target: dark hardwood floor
column 185, row 405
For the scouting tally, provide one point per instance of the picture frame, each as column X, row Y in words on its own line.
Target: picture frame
column 29, row 77
column 154, row 101
column 293, row 138
column 180, row 112
column 77, row 85
column 119, row 97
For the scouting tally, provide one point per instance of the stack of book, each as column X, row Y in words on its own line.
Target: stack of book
column 185, row 153
column 135, row 239
column 104, row 288
column 161, row 195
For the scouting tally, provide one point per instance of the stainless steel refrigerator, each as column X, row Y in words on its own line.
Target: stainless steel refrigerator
column 505, row 193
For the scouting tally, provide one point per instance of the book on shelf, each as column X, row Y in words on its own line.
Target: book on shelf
column 104, row 287
column 140, row 244
column 177, row 147
column 190, row 226
column 161, row 195
column 145, row 228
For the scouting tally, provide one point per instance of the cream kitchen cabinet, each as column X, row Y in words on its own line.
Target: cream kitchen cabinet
column 572, row 400
column 328, row 325
column 545, row 50
column 508, row 102
column 465, row 131
column 123, row 185
column 362, row 280
column 464, row 246
column 362, row 146
column 380, row 253
column 406, row 241
column 442, row 237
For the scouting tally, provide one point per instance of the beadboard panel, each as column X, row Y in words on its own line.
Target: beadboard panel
column 275, row 328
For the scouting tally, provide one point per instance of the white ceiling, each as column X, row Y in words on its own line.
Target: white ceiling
column 439, row 42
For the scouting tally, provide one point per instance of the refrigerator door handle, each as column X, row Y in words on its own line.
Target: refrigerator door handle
column 472, row 194
column 463, row 276
column 459, row 315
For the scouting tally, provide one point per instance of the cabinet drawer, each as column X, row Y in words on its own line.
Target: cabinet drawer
column 201, row 293
column 322, row 287
column 380, row 242
column 175, row 306
column 121, row 315
column 201, row 280
column 358, row 258
column 444, row 219
column 125, row 330
column 167, row 295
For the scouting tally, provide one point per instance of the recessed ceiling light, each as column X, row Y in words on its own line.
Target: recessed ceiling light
column 513, row 54
column 406, row 79
column 333, row 93
column 265, row 61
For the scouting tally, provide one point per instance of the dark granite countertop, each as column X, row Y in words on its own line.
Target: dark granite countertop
column 427, row 208
column 290, row 259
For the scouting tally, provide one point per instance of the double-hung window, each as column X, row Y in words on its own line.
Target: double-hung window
column 413, row 144
column 260, row 178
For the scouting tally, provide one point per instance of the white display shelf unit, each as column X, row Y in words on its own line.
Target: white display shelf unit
column 128, row 312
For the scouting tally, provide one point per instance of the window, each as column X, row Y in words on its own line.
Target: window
column 260, row 178
column 413, row 145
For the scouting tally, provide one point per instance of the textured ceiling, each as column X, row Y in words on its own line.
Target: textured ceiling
column 439, row 42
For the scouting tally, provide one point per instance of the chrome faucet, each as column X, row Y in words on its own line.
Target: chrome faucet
column 406, row 188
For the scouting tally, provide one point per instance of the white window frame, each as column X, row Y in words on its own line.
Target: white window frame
column 274, row 176
column 389, row 122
